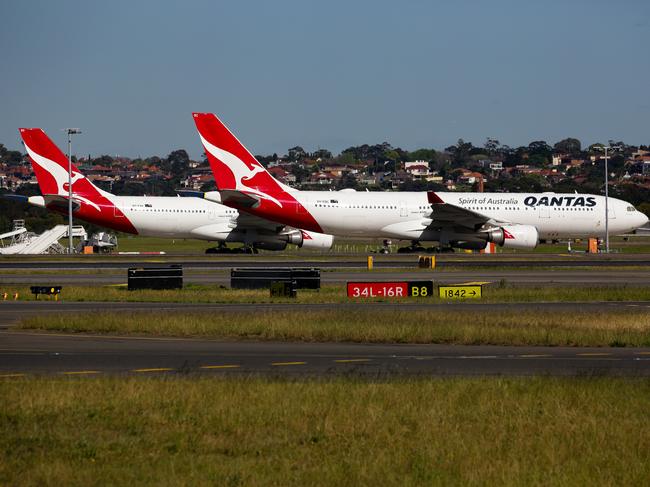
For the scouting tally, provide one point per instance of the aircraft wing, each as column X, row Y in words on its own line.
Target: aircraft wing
column 224, row 197
column 248, row 221
column 447, row 214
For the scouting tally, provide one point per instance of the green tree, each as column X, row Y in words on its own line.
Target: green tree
column 429, row 155
column 178, row 162
column 569, row 146
column 297, row 153
column 299, row 172
column 460, row 152
column 491, row 146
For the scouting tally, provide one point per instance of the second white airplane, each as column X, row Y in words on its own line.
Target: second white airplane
column 462, row 220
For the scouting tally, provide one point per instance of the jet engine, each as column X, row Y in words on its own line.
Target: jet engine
column 523, row 237
column 301, row 238
column 470, row 244
column 309, row 240
column 270, row 244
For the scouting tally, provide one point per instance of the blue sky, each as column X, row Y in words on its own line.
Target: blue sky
column 325, row 74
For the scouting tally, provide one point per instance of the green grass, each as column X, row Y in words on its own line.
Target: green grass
column 351, row 245
column 619, row 328
column 236, row 432
column 501, row 292
column 192, row 246
column 129, row 243
column 154, row 244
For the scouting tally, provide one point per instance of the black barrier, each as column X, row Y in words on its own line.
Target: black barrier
column 262, row 277
column 284, row 289
column 155, row 277
column 47, row 290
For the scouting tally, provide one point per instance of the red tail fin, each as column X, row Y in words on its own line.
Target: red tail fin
column 237, row 171
column 51, row 166
column 234, row 167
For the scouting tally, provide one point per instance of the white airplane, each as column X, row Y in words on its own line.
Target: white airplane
column 462, row 220
column 153, row 216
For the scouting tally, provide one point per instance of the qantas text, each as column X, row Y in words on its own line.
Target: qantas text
column 587, row 201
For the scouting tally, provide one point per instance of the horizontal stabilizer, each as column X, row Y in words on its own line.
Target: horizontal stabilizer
column 61, row 201
column 239, row 198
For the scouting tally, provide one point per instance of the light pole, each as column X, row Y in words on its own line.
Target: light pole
column 606, row 148
column 70, row 132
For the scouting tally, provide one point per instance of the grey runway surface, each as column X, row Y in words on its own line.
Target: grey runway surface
column 331, row 261
column 32, row 353
column 26, row 353
column 558, row 276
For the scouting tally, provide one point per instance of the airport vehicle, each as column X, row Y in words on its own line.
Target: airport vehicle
column 158, row 216
column 461, row 220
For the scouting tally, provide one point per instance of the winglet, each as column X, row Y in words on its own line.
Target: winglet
column 434, row 199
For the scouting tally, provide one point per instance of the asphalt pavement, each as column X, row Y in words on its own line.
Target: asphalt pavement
column 24, row 353
column 31, row 353
column 28, row 353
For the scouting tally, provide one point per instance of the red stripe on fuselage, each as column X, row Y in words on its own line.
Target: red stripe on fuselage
column 109, row 216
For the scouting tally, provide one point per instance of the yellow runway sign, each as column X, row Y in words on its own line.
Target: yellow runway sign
column 460, row 292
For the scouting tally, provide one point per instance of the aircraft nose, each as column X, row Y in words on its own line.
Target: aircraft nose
column 643, row 219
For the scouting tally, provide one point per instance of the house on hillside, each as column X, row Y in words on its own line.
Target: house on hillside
column 469, row 177
column 417, row 169
column 282, row 175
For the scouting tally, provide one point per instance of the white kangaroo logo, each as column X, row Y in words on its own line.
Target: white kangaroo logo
column 60, row 176
column 239, row 169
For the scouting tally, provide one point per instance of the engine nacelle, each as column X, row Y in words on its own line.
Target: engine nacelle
column 301, row 238
column 317, row 241
column 270, row 244
column 469, row 244
column 523, row 237
column 309, row 240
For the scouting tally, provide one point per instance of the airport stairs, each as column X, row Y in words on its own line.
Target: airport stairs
column 46, row 242
column 13, row 234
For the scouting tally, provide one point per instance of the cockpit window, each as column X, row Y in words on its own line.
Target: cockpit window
column 631, row 208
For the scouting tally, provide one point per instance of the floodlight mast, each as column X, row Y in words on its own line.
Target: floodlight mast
column 70, row 132
column 607, row 148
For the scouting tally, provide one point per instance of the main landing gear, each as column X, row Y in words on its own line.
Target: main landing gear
column 221, row 248
column 417, row 248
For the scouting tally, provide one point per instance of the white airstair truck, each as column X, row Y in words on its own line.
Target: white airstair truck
column 24, row 242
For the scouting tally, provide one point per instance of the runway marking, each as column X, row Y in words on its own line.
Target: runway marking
column 23, row 350
column 108, row 337
column 477, row 356
column 535, row 355
column 281, row 364
column 161, row 369
column 12, row 375
column 22, row 353
column 594, row 354
column 350, row 360
column 219, row 366
column 81, row 372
